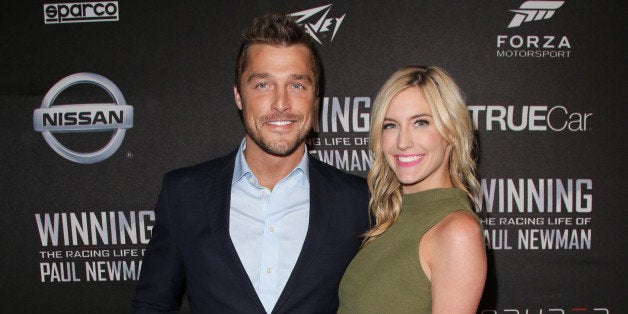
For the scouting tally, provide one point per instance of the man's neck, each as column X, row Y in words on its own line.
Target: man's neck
column 269, row 169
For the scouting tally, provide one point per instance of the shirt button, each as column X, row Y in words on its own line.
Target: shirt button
column 251, row 180
column 271, row 229
column 269, row 270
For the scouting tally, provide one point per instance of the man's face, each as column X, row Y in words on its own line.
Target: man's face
column 277, row 96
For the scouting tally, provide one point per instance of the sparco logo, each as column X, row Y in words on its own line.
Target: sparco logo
column 104, row 11
column 319, row 27
column 116, row 116
column 534, row 11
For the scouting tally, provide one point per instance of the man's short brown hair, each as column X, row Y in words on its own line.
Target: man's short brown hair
column 276, row 30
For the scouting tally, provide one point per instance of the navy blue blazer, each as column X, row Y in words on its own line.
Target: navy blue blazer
column 191, row 250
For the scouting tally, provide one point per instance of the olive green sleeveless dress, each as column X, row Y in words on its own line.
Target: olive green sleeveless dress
column 386, row 276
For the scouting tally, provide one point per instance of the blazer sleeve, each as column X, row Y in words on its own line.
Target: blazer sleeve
column 162, row 278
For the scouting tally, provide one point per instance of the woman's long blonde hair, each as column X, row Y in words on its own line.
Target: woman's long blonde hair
column 452, row 120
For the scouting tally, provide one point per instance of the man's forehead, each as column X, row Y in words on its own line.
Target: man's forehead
column 263, row 57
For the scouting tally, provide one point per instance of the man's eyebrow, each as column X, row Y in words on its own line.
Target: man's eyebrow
column 301, row 77
column 256, row 76
column 260, row 76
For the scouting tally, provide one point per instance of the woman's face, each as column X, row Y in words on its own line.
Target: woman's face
column 413, row 147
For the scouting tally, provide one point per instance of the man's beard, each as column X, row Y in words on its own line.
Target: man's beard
column 277, row 149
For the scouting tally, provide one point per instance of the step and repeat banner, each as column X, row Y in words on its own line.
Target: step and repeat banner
column 100, row 99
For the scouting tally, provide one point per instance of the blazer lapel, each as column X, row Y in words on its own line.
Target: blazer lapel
column 321, row 187
column 217, row 202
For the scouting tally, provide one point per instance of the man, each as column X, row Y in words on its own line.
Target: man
column 267, row 228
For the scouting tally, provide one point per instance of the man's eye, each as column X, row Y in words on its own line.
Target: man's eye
column 298, row 86
column 261, row 85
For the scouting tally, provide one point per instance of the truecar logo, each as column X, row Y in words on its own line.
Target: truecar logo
column 91, row 117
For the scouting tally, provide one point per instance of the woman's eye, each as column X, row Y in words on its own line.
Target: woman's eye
column 388, row 126
column 422, row 122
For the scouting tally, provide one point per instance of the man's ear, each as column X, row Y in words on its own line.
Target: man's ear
column 236, row 96
column 316, row 113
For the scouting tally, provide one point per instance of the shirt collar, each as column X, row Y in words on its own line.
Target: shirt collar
column 242, row 169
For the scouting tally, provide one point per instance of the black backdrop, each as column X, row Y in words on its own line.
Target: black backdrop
column 546, row 94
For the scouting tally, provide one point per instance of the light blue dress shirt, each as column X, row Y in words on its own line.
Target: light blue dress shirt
column 267, row 227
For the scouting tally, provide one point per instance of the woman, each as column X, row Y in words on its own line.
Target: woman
column 425, row 253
